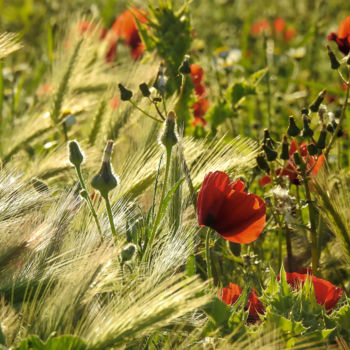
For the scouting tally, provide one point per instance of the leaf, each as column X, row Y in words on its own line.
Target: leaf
column 218, row 312
column 286, row 325
column 256, row 77
column 66, row 342
column 239, row 90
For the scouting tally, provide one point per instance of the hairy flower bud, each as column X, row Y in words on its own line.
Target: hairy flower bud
column 334, row 62
column 307, row 131
column 316, row 104
column 268, row 141
column 321, row 142
column 271, row 155
column 169, row 136
column 125, row 94
column 293, row 130
column 145, row 90
column 185, row 66
column 285, row 149
column 76, row 156
column 312, row 149
column 105, row 180
column 262, row 163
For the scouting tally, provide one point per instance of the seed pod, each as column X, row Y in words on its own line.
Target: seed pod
column 321, row 142
column 293, row 130
column 76, row 156
column 316, row 104
column 285, row 149
column 262, row 163
column 307, row 131
column 169, row 136
column 125, row 94
column 145, row 90
column 334, row 62
column 105, row 180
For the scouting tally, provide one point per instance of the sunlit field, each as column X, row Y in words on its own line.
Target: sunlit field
column 174, row 174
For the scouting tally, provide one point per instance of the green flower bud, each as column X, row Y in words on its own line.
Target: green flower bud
column 316, row 104
column 307, row 131
column 169, row 136
column 262, row 163
column 125, row 94
column 185, row 65
column 145, row 90
column 76, row 156
column 285, row 149
column 105, row 180
column 128, row 252
column 293, row 130
column 321, row 142
column 334, row 62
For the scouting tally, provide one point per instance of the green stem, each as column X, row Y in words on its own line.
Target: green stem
column 207, row 254
column 341, row 119
column 289, row 250
column 110, row 216
column 312, row 216
column 158, row 216
column 144, row 112
column 88, row 200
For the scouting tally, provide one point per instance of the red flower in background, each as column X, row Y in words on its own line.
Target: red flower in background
column 279, row 27
column 342, row 37
column 229, row 295
column 313, row 163
column 325, row 292
column 260, row 26
column 235, row 215
column 125, row 27
column 265, row 180
column 279, row 24
column 201, row 106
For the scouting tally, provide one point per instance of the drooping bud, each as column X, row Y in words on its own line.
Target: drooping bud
column 285, row 149
column 268, row 141
column 125, row 94
column 105, row 180
column 169, row 136
column 312, row 149
column 316, row 104
column 128, row 252
column 293, row 130
column 307, row 131
column 76, row 156
column 262, row 163
column 334, row 62
column 321, row 142
column 185, row 65
column 145, row 90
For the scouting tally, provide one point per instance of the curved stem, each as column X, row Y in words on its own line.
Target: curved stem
column 144, row 112
column 110, row 217
column 207, row 254
column 158, row 216
column 89, row 202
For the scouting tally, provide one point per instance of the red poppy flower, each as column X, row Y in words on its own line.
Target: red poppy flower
column 125, row 27
column 325, row 292
column 265, row 180
column 342, row 37
column 289, row 34
column 196, row 74
column 229, row 295
column 235, row 215
column 260, row 26
column 314, row 163
column 279, row 25
column 200, row 107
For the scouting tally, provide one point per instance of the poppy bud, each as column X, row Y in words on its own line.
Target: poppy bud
column 169, row 136
column 307, row 131
column 76, row 156
column 293, row 130
column 271, row 155
column 185, row 65
column 330, row 128
column 297, row 159
column 125, row 94
column 334, row 62
column 285, row 149
column 128, row 252
column 316, row 104
column 145, row 90
column 105, row 180
column 321, row 142
column 312, row 149
column 268, row 140
column 262, row 163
